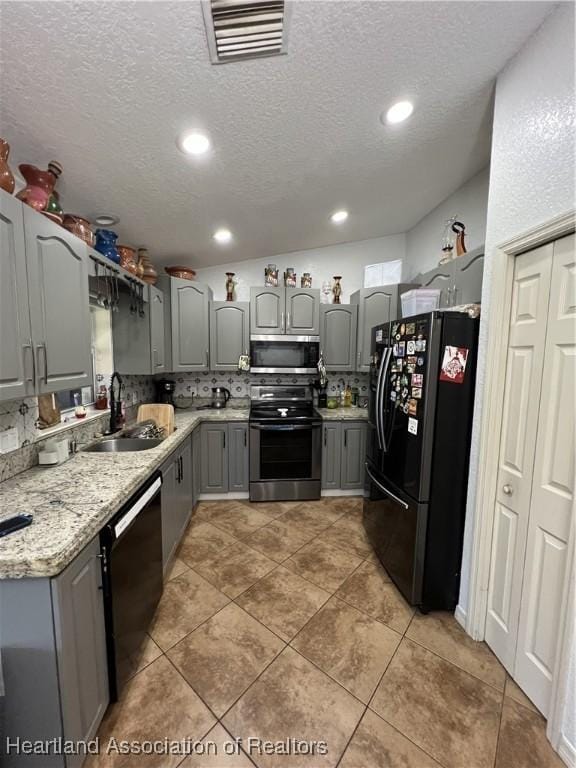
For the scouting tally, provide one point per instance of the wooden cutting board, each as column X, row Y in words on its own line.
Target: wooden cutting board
column 162, row 413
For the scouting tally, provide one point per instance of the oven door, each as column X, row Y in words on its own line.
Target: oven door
column 284, row 354
column 280, row 451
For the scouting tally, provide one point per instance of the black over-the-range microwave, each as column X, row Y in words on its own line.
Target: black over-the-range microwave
column 284, row 354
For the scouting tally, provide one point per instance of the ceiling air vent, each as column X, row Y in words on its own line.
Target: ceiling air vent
column 245, row 29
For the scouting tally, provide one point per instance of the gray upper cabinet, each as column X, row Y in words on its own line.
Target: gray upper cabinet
column 131, row 338
column 16, row 364
column 267, row 310
column 81, row 647
column 375, row 306
column 442, row 278
column 186, row 324
column 156, row 309
column 214, row 458
column 353, row 454
column 57, row 264
column 238, row 456
column 468, row 274
column 331, row 454
column 338, row 330
column 302, row 311
column 229, row 334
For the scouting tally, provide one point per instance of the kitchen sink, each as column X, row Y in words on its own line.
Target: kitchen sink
column 116, row 444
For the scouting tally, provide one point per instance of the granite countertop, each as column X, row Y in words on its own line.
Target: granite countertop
column 73, row 501
column 354, row 413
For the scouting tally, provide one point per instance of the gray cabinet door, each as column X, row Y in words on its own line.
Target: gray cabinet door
column 229, row 334
column 81, row 647
column 375, row 306
column 468, row 274
column 184, row 488
column 196, row 465
column 267, row 310
column 353, row 454
column 156, row 310
column 443, row 278
column 131, row 338
column 302, row 311
column 214, row 461
column 238, row 456
column 57, row 265
column 170, row 474
column 338, row 330
column 16, row 351
column 331, row 454
column 189, row 315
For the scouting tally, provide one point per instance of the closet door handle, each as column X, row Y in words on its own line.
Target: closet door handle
column 508, row 490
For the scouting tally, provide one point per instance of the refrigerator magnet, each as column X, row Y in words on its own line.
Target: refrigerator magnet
column 420, row 345
column 394, row 329
column 417, row 392
column 410, row 368
column 411, row 347
column 417, row 379
column 411, row 360
column 412, row 407
column 413, row 426
column 454, row 364
column 410, row 328
column 393, row 395
column 420, row 361
column 402, row 329
column 379, row 335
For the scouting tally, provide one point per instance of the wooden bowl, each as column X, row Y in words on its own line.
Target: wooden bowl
column 185, row 273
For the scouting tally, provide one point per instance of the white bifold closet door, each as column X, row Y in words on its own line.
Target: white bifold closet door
column 535, row 491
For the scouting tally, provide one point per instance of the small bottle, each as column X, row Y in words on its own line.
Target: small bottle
column 347, row 396
column 342, row 397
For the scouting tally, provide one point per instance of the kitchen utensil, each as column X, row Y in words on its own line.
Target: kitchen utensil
column 220, row 396
column 162, row 414
column 184, row 273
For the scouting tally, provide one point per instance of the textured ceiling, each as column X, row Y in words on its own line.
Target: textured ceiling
column 106, row 87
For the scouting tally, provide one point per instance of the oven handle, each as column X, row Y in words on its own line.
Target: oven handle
column 285, row 427
column 385, row 490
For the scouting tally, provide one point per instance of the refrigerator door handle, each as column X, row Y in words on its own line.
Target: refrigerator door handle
column 385, row 490
column 380, row 399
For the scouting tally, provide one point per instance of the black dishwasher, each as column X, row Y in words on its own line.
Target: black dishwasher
column 131, row 551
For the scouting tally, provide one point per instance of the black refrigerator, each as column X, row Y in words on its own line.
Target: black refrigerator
column 422, row 380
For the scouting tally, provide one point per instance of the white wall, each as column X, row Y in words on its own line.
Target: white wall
column 531, row 181
column 424, row 241
column 346, row 259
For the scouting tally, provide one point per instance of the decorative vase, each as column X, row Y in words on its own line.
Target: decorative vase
column 53, row 208
column 290, row 277
column 271, row 276
column 149, row 274
column 6, row 176
column 460, row 231
column 127, row 258
column 230, row 286
column 106, row 244
column 306, row 280
column 337, row 289
column 39, row 186
column 79, row 227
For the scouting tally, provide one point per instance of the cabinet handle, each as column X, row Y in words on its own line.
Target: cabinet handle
column 207, row 361
column 345, row 438
column 24, row 356
column 325, row 433
column 223, row 439
column 288, row 321
column 38, row 348
column 454, row 292
column 508, row 490
column 282, row 322
column 245, row 438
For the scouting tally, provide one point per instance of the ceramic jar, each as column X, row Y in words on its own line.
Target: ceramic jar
column 39, row 186
column 79, row 227
column 230, row 286
column 106, row 244
column 149, row 274
column 128, row 258
column 337, row 289
column 53, row 209
column 6, row 175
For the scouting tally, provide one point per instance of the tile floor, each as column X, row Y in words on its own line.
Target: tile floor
column 278, row 622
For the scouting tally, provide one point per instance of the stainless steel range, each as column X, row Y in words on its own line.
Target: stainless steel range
column 285, row 444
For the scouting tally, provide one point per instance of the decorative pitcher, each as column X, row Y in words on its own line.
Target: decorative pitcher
column 6, row 175
column 106, row 244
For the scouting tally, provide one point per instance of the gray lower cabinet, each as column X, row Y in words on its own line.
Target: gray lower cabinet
column 196, row 465
column 16, row 364
column 214, row 461
column 331, row 454
column 177, row 498
column 57, row 267
column 53, row 648
column 267, row 310
column 229, row 334
column 338, row 331
column 375, row 306
column 186, row 324
column 302, row 311
column 353, row 454
column 238, row 466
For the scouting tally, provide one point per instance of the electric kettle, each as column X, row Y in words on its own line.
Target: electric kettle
column 220, row 396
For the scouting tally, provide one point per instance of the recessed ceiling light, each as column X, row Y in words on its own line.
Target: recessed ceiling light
column 222, row 236
column 399, row 112
column 106, row 220
column 339, row 216
column 194, row 143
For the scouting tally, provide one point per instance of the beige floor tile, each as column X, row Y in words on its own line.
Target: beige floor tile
column 323, row 564
column 283, row 601
column 377, row 745
column 144, row 656
column 523, row 742
column 235, row 568
column 349, row 646
column 370, row 590
column 348, row 533
column 212, row 752
column 441, row 633
column 176, row 568
column 240, row 519
column 293, row 699
column 312, row 516
column 156, row 704
column 278, row 540
column 188, row 600
column 203, row 541
column 272, row 509
column 448, row 713
column 206, row 510
column 351, row 506
column 224, row 656
column 513, row 691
